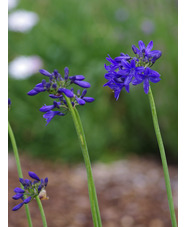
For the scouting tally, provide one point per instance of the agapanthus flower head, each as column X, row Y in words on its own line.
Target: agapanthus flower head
column 58, row 88
column 30, row 189
column 125, row 70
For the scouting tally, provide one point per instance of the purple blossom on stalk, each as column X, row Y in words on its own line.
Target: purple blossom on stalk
column 33, row 175
column 31, row 189
column 130, row 70
column 116, row 87
column 17, row 207
column 145, row 77
column 57, row 87
column 46, row 108
column 50, row 114
column 145, row 52
column 114, row 64
column 125, row 70
column 81, row 99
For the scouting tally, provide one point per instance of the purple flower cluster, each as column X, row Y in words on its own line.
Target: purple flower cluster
column 30, row 189
column 57, row 89
column 125, row 70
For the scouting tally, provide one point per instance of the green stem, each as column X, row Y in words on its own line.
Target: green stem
column 91, row 176
column 163, row 158
column 20, row 174
column 41, row 211
column 91, row 186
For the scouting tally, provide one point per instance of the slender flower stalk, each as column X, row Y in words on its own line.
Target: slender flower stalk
column 20, row 174
column 66, row 100
column 91, row 186
column 163, row 158
column 124, row 71
column 41, row 211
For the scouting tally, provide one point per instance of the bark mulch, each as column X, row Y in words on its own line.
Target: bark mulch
column 131, row 193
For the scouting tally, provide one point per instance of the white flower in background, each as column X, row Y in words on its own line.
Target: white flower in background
column 12, row 4
column 22, row 20
column 25, row 66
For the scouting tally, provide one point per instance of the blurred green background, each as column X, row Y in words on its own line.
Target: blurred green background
column 80, row 34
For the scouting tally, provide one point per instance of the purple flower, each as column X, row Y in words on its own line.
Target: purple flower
column 41, row 87
column 114, row 64
column 50, row 114
column 19, row 190
column 125, row 70
column 130, row 70
column 116, row 87
column 148, row 75
column 122, row 57
column 32, row 92
column 45, row 72
column 46, row 181
column 78, row 79
column 145, row 52
column 67, row 92
column 81, row 99
column 46, row 108
column 27, row 200
column 58, row 89
column 17, row 196
column 66, row 70
column 26, row 183
column 31, row 189
column 83, row 84
column 88, row 99
column 17, row 207
column 33, row 175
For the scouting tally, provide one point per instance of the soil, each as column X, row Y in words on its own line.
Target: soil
column 131, row 193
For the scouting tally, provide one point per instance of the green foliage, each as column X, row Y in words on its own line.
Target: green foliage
column 80, row 34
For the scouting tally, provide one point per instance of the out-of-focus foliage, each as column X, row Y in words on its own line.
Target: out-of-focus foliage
column 80, row 34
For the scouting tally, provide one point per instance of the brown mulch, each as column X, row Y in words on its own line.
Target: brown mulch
column 131, row 193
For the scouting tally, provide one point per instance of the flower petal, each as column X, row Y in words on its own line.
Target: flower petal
column 141, row 45
column 135, row 49
column 17, row 196
column 135, row 81
column 33, row 175
column 83, row 84
column 32, row 92
column 80, row 101
column 149, row 46
column 19, row 190
column 27, row 200
column 88, row 99
column 46, row 108
column 67, row 92
column 128, row 79
column 154, row 80
column 17, row 207
column 46, row 181
column 45, row 72
column 83, row 93
column 77, row 77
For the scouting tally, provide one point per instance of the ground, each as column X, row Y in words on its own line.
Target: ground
column 131, row 193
